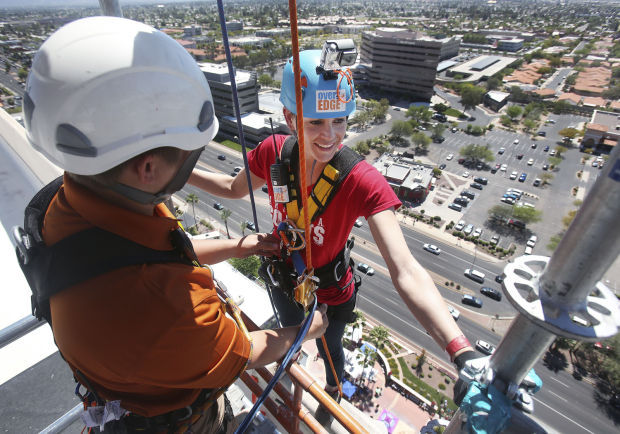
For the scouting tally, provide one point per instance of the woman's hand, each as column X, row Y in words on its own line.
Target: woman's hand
column 258, row 244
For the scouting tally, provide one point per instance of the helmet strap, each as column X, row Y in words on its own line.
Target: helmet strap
column 176, row 184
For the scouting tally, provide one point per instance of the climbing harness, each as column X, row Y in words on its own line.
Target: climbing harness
column 72, row 260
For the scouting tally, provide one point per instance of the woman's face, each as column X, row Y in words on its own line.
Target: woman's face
column 322, row 137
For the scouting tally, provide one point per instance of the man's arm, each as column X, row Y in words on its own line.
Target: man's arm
column 412, row 281
column 271, row 345
column 214, row 251
column 222, row 185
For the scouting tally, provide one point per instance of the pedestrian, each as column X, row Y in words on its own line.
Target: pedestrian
column 126, row 112
column 360, row 190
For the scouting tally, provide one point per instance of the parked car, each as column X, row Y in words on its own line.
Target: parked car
column 552, row 152
column 468, row 229
column 523, row 177
column 237, row 169
column 534, row 145
column 537, row 182
column 495, row 240
column 475, row 275
column 528, row 250
column 542, row 133
column 515, row 191
column 471, row 300
column 514, row 175
column 465, row 174
column 481, row 180
column 520, row 156
column 461, row 201
column 491, row 293
column 218, row 206
column 545, row 167
column 477, row 232
column 508, row 200
column 460, row 225
column 221, row 157
column 453, row 129
column 468, row 194
column 455, row 207
column 516, row 142
column 495, row 168
column 546, row 149
column 503, row 167
column 476, row 185
column 438, row 139
column 365, row 268
column 532, row 241
column 358, row 223
column 499, row 278
column 485, row 347
column 450, row 157
column 530, row 161
column 431, row 248
column 442, row 166
column 516, row 223
column 501, row 150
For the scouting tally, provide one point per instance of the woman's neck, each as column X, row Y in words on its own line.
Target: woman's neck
column 314, row 169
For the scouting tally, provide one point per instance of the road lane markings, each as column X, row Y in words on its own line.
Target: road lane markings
column 553, row 393
column 564, row 416
column 390, row 313
column 563, row 384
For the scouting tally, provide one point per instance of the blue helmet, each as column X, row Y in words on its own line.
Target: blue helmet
column 320, row 100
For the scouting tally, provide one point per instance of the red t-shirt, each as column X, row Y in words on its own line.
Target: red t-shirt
column 364, row 192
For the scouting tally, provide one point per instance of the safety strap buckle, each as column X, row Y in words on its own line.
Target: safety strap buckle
column 292, row 237
column 307, row 284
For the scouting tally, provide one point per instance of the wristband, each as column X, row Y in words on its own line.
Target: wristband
column 456, row 344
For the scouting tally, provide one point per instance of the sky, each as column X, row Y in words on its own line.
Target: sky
column 72, row 3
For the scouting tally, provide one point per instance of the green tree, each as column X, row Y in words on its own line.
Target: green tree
column 560, row 150
column 421, row 359
column 247, row 266
column 477, row 152
column 493, row 83
column 438, row 130
column 265, row 80
column 421, row 140
column 193, row 200
column 401, row 129
column 529, row 125
column 546, row 178
column 568, row 133
column 526, row 214
column 22, row 73
column 362, row 147
column 471, row 96
column 440, row 108
column 514, row 111
column 224, row 214
column 500, row 212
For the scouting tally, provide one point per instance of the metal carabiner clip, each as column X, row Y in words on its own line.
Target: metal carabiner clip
column 292, row 236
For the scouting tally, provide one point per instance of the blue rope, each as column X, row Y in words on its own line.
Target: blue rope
column 233, row 84
column 287, row 358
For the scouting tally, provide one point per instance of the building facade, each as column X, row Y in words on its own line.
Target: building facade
column 602, row 133
column 404, row 62
column 410, row 181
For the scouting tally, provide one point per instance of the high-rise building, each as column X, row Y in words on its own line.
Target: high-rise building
column 403, row 61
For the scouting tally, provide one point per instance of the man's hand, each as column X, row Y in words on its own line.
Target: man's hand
column 460, row 387
column 258, row 244
column 319, row 323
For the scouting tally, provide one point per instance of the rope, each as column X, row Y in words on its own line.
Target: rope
column 276, row 377
column 292, row 7
column 233, row 84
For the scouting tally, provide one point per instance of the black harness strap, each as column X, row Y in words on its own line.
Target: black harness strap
column 79, row 257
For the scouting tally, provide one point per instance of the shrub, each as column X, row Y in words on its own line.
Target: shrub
column 436, row 218
column 422, row 211
column 451, row 283
column 429, row 375
column 421, row 375
column 446, row 380
column 458, row 287
column 442, row 386
column 447, row 283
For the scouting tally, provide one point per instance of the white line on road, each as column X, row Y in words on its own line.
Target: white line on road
column 557, row 395
column 563, row 384
column 390, row 313
column 567, row 418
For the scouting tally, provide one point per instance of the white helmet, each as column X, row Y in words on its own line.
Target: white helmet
column 102, row 90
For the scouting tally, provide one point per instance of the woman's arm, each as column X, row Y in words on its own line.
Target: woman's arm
column 214, row 251
column 222, row 185
column 412, row 281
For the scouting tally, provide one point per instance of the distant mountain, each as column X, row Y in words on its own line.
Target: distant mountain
column 73, row 3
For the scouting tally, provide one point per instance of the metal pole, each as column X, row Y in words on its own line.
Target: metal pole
column 111, row 8
column 18, row 329
column 64, row 421
column 562, row 295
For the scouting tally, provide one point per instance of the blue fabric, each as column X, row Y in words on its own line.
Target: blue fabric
column 348, row 389
column 487, row 409
column 534, row 378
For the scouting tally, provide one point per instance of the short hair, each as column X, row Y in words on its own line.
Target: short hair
column 110, row 176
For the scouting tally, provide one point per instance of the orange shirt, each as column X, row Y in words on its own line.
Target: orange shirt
column 152, row 335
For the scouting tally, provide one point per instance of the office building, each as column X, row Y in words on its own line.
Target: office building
column 404, row 62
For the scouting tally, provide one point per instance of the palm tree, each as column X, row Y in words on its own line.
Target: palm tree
column 243, row 226
column 193, row 199
column 224, row 216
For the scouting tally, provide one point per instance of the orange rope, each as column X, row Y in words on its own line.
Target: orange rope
column 292, row 7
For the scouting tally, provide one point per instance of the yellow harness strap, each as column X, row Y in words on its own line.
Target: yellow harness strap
column 320, row 194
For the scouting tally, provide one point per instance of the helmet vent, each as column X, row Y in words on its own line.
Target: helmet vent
column 206, row 116
column 72, row 141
